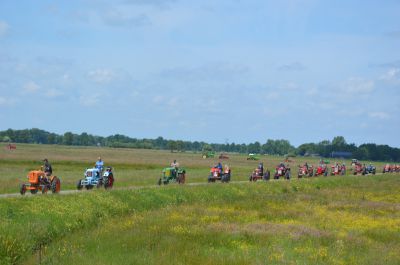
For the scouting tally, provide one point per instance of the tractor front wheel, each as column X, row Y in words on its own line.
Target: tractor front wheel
column 34, row 191
column 22, row 189
column 79, row 185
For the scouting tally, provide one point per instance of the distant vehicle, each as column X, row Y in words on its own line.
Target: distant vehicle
column 305, row 172
column 208, row 154
column 322, row 170
column 282, row 171
column 338, row 170
column 223, row 156
column 253, row 157
column 370, row 169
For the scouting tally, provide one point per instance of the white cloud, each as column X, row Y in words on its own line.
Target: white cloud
column 392, row 75
column 379, row 115
column 4, row 27
column 357, row 85
column 6, row 102
column 30, row 87
column 101, row 75
column 53, row 93
column 89, row 101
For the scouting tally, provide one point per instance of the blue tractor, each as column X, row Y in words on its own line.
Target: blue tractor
column 95, row 178
column 370, row 169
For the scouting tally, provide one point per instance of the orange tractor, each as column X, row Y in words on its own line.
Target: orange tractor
column 38, row 181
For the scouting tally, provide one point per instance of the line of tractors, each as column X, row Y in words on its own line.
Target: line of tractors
column 98, row 177
column 38, row 180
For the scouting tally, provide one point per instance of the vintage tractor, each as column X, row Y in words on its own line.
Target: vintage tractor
column 322, row 170
column 259, row 174
column 370, row 169
column 282, row 171
column 208, row 154
column 172, row 174
column 93, row 178
column 305, row 171
column 358, row 168
column 223, row 156
column 252, row 157
column 217, row 174
column 39, row 181
column 387, row 169
column 338, row 170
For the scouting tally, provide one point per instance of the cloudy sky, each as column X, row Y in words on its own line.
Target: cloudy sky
column 217, row 71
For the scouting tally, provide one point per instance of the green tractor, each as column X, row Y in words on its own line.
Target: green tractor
column 253, row 157
column 208, row 154
column 172, row 174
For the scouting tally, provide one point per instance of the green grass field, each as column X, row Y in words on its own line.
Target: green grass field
column 332, row 220
column 132, row 167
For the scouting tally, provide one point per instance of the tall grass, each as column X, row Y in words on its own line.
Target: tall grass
column 353, row 220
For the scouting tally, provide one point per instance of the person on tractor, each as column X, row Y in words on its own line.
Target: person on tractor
column 175, row 165
column 227, row 170
column 99, row 164
column 48, row 170
column 219, row 166
column 260, row 169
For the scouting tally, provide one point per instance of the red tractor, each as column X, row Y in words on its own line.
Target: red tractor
column 217, row 174
column 282, row 171
column 305, row 171
column 322, row 170
column 259, row 174
column 358, row 169
column 387, row 169
column 337, row 170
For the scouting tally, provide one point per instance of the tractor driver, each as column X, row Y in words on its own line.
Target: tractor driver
column 99, row 164
column 48, row 170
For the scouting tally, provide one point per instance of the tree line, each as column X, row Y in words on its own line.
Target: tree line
column 326, row 148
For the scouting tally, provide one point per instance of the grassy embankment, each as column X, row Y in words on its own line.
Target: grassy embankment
column 333, row 220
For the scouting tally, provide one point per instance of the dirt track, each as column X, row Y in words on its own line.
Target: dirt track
column 66, row 192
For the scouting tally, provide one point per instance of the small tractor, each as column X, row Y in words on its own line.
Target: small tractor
column 259, row 174
column 305, row 171
column 322, row 169
column 338, row 170
column 208, row 154
column 94, row 178
column 358, row 169
column 387, row 169
column 370, row 169
column 172, row 174
column 252, row 157
column 217, row 174
column 282, row 171
column 223, row 156
column 39, row 181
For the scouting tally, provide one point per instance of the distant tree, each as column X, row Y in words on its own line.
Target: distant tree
column 68, row 138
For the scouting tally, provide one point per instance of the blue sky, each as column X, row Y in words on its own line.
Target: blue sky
column 217, row 71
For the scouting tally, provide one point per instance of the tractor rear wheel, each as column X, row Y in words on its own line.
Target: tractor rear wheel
column 109, row 181
column 55, row 185
column 22, row 189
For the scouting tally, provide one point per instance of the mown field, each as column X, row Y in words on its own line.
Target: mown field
column 325, row 220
